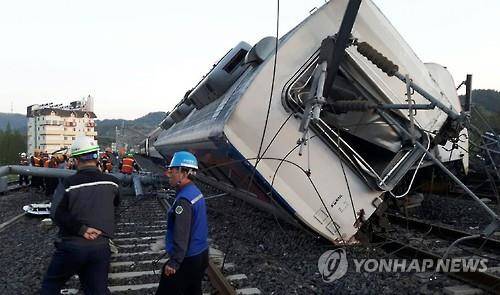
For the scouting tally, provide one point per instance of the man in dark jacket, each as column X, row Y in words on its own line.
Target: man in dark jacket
column 187, row 231
column 23, row 179
column 83, row 208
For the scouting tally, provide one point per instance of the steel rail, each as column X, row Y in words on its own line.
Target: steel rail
column 444, row 231
column 218, row 280
column 484, row 280
column 11, row 221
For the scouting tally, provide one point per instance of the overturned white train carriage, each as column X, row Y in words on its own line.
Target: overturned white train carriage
column 329, row 165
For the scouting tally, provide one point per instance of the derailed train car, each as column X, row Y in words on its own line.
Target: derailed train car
column 147, row 148
column 330, row 151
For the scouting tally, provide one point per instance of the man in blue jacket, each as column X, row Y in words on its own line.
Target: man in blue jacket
column 187, row 230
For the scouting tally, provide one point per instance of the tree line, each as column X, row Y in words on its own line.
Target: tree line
column 12, row 143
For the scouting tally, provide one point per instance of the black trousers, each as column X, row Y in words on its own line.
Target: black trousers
column 23, row 179
column 36, row 182
column 91, row 263
column 50, row 186
column 187, row 279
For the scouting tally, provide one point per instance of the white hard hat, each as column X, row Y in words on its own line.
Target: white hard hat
column 83, row 145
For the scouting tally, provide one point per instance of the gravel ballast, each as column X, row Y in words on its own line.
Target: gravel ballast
column 277, row 258
column 281, row 259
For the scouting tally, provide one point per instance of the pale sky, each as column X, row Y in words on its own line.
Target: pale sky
column 136, row 57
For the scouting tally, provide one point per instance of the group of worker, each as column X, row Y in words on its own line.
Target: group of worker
column 127, row 165
column 43, row 159
column 84, row 206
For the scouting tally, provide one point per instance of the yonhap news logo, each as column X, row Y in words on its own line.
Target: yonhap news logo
column 333, row 265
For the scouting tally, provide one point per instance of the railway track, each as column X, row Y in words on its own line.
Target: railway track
column 414, row 238
column 136, row 267
column 11, row 205
column 265, row 251
column 4, row 225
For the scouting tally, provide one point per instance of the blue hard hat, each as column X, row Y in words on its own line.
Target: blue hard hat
column 184, row 159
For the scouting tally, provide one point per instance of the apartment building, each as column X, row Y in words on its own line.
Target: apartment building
column 54, row 127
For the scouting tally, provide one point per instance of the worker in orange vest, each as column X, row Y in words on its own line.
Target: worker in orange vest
column 44, row 162
column 128, row 164
column 105, row 163
column 51, row 182
column 36, row 161
column 23, row 179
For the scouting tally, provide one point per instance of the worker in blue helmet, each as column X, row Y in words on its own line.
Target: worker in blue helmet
column 187, row 231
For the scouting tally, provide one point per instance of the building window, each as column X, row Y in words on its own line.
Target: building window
column 73, row 138
column 65, row 138
column 74, row 129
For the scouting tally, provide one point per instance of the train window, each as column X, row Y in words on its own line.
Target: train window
column 237, row 59
column 365, row 139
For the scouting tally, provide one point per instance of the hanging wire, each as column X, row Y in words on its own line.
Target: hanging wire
column 415, row 173
column 482, row 118
column 268, row 111
column 307, row 173
column 266, row 120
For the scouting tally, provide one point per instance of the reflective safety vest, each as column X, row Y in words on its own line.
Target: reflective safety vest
column 128, row 165
column 52, row 163
column 36, row 161
column 199, row 228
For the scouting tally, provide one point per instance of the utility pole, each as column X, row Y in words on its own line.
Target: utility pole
column 116, row 137
column 123, row 135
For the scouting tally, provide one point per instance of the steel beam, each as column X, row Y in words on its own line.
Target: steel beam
column 137, row 180
column 341, row 43
column 448, row 110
